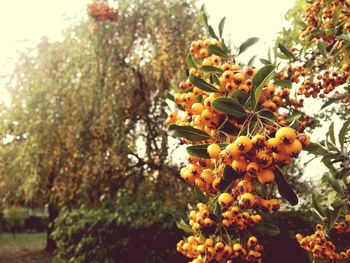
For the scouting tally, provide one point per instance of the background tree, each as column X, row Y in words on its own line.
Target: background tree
column 87, row 113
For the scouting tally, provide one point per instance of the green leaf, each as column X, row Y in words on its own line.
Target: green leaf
column 333, row 215
column 246, row 44
column 211, row 69
column 285, row 190
column 251, row 61
column 169, row 96
column 322, row 47
column 345, row 37
column 216, row 79
column 283, row 83
column 259, row 80
column 204, row 16
column 221, row 26
column 296, row 115
column 228, row 106
column 330, row 133
column 267, row 114
column 317, row 205
column 217, row 51
column 333, row 99
column 285, row 51
column 316, row 214
column 189, row 61
column 229, row 129
column 183, row 226
column 212, row 32
column 316, row 149
column 267, row 229
column 201, row 196
column 334, row 183
column 201, row 150
column 201, row 84
column 342, row 133
column 265, row 61
column 188, row 133
column 229, row 175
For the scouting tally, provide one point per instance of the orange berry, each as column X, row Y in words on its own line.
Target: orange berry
column 253, row 169
column 214, row 150
column 266, row 176
column 243, row 144
column 286, row 135
column 225, row 200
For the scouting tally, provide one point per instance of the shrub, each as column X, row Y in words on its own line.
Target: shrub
column 117, row 234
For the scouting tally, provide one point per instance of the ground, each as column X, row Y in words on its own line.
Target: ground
column 24, row 248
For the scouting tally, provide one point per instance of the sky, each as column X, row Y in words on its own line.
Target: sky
column 23, row 23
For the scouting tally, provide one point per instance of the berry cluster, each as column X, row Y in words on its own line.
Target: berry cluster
column 209, row 250
column 102, row 12
column 241, row 156
column 321, row 246
column 252, row 159
column 324, row 15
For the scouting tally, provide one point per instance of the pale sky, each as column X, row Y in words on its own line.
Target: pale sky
column 23, row 23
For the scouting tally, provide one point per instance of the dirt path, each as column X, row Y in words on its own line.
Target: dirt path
column 23, row 255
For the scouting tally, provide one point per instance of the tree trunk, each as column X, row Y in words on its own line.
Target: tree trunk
column 53, row 214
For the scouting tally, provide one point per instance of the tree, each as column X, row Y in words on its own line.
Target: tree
column 87, row 113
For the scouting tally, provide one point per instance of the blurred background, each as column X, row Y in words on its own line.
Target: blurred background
column 87, row 170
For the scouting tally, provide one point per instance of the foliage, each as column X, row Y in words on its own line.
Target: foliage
column 117, row 234
column 15, row 217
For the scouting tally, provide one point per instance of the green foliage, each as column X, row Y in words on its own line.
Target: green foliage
column 117, row 233
column 15, row 217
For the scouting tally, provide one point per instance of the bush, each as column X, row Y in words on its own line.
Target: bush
column 119, row 234
column 15, row 217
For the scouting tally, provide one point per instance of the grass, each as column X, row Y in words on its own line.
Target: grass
column 24, row 247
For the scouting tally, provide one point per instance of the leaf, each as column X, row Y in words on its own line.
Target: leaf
column 216, row 79
column 334, row 183
column 212, row 32
column 201, row 150
column 228, row 106
column 296, row 115
column 330, row 133
column 267, row 114
column 267, row 229
column 188, row 133
column 183, row 226
column 345, row 37
column 265, row 61
column 333, row 215
column 201, row 84
column 285, row 51
column 211, row 69
column 229, row 175
column 316, row 204
column 316, row 214
column 204, row 16
column 229, row 128
column 322, row 47
column 285, row 190
column 315, row 149
column 217, row 51
column 246, row 44
column 221, row 26
column 169, row 96
column 201, row 196
column 251, row 61
column 259, row 80
column 283, row 83
column 342, row 133
column 189, row 61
